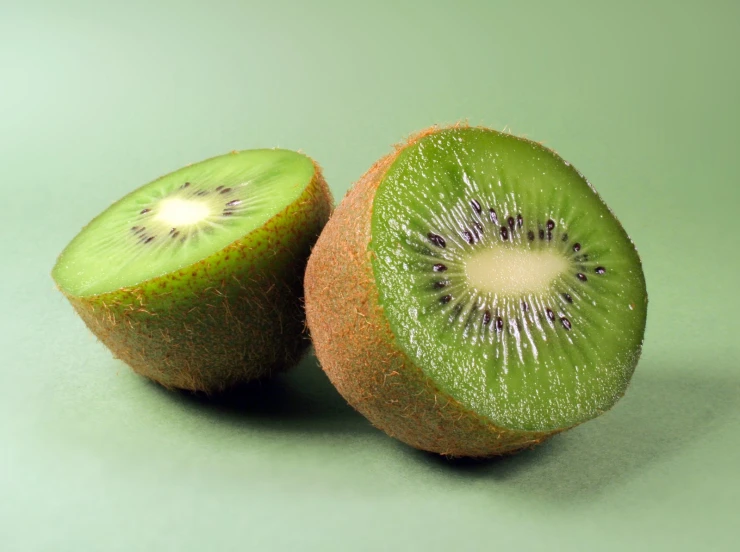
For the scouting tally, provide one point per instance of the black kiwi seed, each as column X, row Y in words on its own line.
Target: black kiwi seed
column 530, row 235
column 441, row 284
column 519, row 220
column 542, row 234
column 567, row 297
column 150, row 238
column 511, row 223
column 581, row 276
column 476, row 206
column 445, row 299
column 565, row 322
column 439, row 268
column 144, row 211
column 468, row 237
column 437, row 240
column 486, row 317
column 525, row 307
column 225, row 191
column 233, row 202
column 504, row 233
column 227, row 213
column 550, row 224
column 177, row 233
column 134, row 228
column 576, row 247
column 600, row 270
column 219, row 188
column 185, row 185
column 550, row 314
column 499, row 323
column 492, row 214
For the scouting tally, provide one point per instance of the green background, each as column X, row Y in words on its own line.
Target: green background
column 97, row 99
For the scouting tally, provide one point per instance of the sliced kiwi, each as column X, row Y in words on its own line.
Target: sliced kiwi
column 195, row 279
column 473, row 295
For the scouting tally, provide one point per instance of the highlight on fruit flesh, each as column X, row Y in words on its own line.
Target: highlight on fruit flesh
column 196, row 279
column 472, row 295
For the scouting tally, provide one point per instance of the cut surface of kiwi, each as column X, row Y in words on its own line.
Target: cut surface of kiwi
column 181, row 218
column 507, row 279
column 195, row 279
column 500, row 300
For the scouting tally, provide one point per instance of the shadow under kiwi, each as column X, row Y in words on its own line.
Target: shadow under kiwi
column 299, row 400
column 663, row 412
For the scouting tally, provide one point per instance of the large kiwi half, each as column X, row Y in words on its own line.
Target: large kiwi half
column 472, row 295
column 196, row 279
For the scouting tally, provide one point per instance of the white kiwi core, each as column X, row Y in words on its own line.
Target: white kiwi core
column 181, row 212
column 508, row 271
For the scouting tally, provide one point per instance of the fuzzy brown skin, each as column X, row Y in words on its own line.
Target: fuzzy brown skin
column 357, row 350
column 227, row 319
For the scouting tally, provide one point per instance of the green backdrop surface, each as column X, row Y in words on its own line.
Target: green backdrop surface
column 99, row 98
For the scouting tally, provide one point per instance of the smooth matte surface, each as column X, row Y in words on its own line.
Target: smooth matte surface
column 97, row 99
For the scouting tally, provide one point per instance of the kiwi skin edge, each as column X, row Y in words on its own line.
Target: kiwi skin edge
column 234, row 316
column 357, row 350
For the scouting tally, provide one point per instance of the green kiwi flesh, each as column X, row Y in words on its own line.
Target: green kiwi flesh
column 493, row 300
column 195, row 279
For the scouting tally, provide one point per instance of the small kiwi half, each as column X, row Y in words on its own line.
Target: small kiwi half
column 472, row 295
column 196, row 279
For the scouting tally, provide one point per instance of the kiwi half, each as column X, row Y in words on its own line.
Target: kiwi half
column 196, row 279
column 472, row 295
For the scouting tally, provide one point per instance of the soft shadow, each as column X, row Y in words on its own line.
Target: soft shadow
column 301, row 400
column 661, row 414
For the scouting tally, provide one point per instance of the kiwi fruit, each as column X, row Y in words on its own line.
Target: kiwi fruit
column 195, row 280
column 472, row 295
